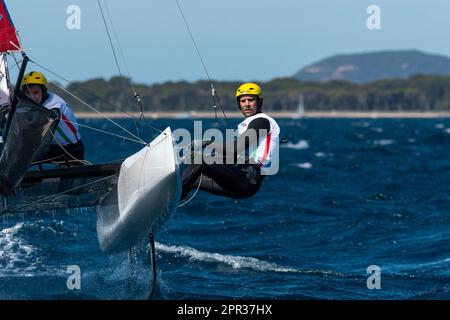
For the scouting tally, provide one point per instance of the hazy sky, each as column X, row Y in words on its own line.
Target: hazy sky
column 238, row 39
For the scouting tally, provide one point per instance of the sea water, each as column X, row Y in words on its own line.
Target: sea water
column 350, row 194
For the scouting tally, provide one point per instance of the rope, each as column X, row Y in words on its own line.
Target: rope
column 213, row 94
column 221, row 108
column 200, row 57
column 120, row 48
column 146, row 125
column 193, row 41
column 75, row 86
column 195, row 193
column 16, row 61
column 65, row 151
column 88, row 92
column 64, row 192
column 109, row 37
column 137, row 97
column 103, row 115
column 109, row 133
column 53, row 161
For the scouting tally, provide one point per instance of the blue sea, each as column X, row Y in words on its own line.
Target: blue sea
column 351, row 194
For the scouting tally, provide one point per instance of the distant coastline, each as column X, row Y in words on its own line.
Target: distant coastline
column 418, row 93
column 289, row 115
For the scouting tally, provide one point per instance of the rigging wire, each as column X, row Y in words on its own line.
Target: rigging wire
column 15, row 60
column 109, row 37
column 136, row 95
column 102, row 114
column 86, row 91
column 109, row 133
column 195, row 193
column 214, row 93
column 112, row 46
column 106, row 132
column 193, row 41
column 67, row 152
column 64, row 192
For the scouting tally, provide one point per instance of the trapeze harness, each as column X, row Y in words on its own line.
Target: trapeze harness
column 66, row 133
column 238, row 180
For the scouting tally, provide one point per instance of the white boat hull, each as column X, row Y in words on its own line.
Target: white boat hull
column 147, row 193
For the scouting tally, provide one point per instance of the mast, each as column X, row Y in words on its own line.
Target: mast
column 10, row 42
column 14, row 102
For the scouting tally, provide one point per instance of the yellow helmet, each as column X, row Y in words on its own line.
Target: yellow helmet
column 249, row 88
column 34, row 77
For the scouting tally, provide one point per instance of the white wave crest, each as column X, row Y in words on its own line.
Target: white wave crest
column 302, row 144
column 236, row 262
column 323, row 154
column 383, row 142
column 14, row 251
column 305, row 165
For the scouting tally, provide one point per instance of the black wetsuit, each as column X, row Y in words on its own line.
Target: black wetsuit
column 229, row 180
column 56, row 153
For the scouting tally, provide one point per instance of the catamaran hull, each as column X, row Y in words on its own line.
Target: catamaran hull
column 61, row 188
column 147, row 193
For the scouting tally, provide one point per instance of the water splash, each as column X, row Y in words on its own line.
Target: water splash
column 236, row 262
column 15, row 252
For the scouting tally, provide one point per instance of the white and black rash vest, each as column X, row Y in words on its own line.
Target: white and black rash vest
column 67, row 131
column 248, row 159
column 266, row 148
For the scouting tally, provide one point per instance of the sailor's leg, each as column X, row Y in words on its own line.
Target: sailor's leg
column 70, row 152
column 209, row 185
column 190, row 175
column 221, row 179
column 230, row 181
column 76, row 150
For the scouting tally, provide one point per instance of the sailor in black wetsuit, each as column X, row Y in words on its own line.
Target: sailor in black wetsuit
column 243, row 178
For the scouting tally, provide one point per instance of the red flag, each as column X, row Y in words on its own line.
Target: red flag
column 8, row 36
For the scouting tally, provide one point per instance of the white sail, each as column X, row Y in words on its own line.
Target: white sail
column 301, row 107
column 5, row 98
